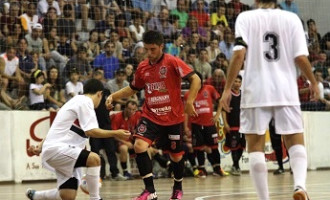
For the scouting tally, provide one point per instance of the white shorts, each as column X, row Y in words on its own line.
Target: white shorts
column 288, row 120
column 63, row 162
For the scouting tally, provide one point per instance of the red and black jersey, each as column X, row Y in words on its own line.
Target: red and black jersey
column 234, row 115
column 204, row 105
column 118, row 121
column 162, row 84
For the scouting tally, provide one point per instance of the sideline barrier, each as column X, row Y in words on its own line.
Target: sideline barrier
column 19, row 129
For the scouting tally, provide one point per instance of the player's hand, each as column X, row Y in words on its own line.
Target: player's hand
column 108, row 103
column 225, row 101
column 315, row 92
column 215, row 118
column 35, row 150
column 190, row 110
column 122, row 134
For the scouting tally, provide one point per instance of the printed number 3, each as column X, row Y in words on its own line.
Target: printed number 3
column 272, row 54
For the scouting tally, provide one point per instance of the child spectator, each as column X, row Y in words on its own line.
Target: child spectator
column 74, row 86
column 37, row 91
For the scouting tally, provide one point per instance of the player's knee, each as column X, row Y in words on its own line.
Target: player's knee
column 140, row 146
column 176, row 158
column 123, row 149
column 93, row 160
column 66, row 195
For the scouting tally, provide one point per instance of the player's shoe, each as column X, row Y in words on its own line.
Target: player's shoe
column 30, row 193
column 202, row 173
column 278, row 171
column 146, row 195
column 176, row 195
column 128, row 175
column 220, row 172
column 119, row 177
column 235, row 171
column 196, row 172
column 300, row 194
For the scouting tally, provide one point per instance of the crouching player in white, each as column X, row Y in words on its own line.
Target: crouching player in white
column 272, row 42
column 62, row 151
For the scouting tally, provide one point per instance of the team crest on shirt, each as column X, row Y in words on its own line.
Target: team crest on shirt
column 162, row 72
column 205, row 94
column 142, row 128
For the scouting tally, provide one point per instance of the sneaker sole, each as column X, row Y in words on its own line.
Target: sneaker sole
column 300, row 195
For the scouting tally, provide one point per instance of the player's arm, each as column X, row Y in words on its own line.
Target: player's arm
column 235, row 65
column 124, row 92
column 225, row 122
column 303, row 63
column 218, row 113
column 195, row 85
column 101, row 133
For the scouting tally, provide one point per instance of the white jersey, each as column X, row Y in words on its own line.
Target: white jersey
column 65, row 130
column 274, row 39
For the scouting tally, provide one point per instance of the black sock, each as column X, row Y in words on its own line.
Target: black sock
column 162, row 160
column 279, row 154
column 178, row 168
column 192, row 159
column 200, row 158
column 149, row 183
column 210, row 158
column 216, row 157
column 236, row 156
column 124, row 166
column 145, row 167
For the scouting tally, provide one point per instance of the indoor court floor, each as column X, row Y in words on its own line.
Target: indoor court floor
column 210, row 188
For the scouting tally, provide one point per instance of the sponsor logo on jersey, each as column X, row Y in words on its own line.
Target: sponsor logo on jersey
column 161, row 111
column 203, row 110
column 205, row 94
column 158, row 100
column 157, row 86
column 174, row 137
column 162, row 72
column 201, row 103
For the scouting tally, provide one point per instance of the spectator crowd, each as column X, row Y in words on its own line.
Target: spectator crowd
column 70, row 42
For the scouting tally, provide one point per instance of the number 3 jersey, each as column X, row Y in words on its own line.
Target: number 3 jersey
column 162, row 84
column 273, row 38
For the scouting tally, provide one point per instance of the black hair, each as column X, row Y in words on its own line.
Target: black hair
column 310, row 21
column 92, row 86
column 153, row 37
column 239, row 77
column 131, row 101
column 173, row 18
column 268, row 1
column 317, row 71
column 36, row 74
column 57, row 85
column 67, row 7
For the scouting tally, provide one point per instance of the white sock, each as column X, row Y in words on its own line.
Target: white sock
column 298, row 162
column 258, row 172
column 92, row 179
column 52, row 194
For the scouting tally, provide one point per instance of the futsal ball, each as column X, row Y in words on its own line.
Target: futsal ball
column 83, row 184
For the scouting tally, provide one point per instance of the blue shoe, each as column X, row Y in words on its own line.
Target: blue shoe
column 30, row 193
column 128, row 175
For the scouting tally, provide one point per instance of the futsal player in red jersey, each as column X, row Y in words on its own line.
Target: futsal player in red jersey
column 160, row 75
column 204, row 133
